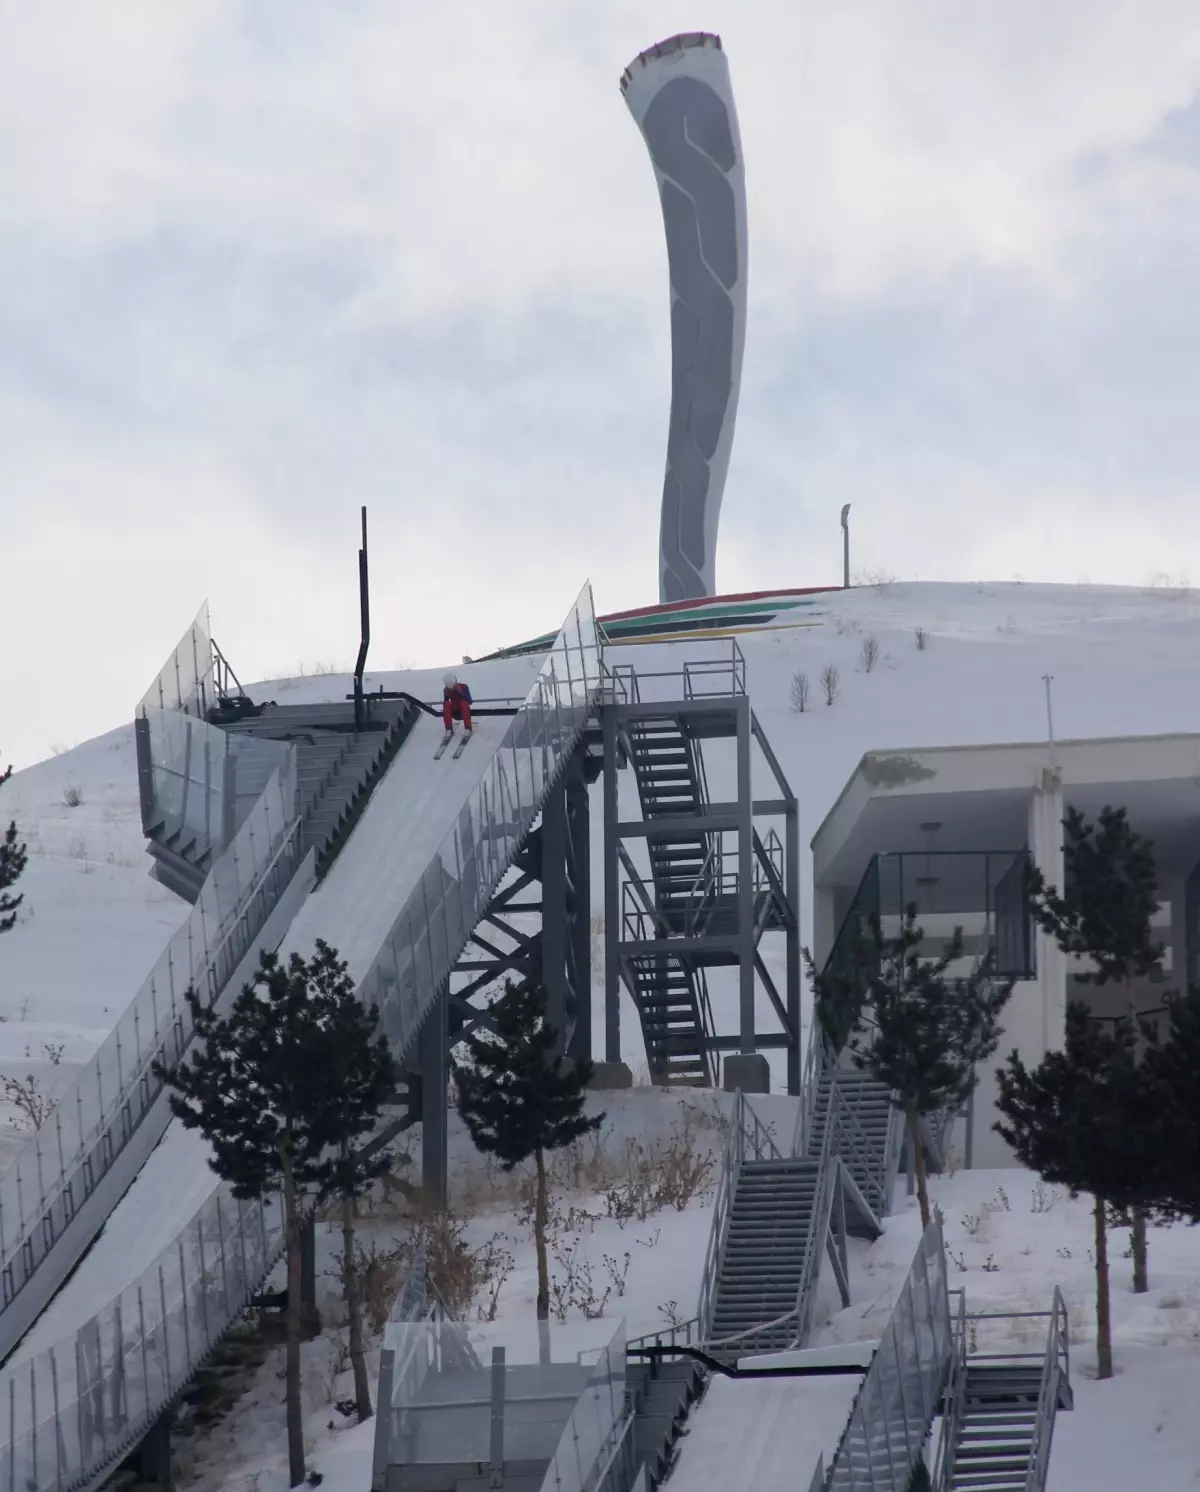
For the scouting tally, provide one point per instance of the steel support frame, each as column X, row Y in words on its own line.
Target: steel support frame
column 722, row 716
column 553, row 881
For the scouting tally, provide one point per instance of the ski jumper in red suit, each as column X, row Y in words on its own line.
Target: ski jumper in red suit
column 456, row 705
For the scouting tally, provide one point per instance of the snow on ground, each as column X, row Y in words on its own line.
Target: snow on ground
column 1016, row 1239
column 1121, row 661
column 92, row 922
column 747, row 1436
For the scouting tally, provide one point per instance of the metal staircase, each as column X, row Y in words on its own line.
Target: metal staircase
column 669, row 989
column 337, row 767
column 868, row 1146
column 999, row 1409
column 995, row 1434
column 672, row 1001
column 774, row 1216
column 661, row 1394
column 763, row 1262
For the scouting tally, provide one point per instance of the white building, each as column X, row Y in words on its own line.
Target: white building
column 947, row 829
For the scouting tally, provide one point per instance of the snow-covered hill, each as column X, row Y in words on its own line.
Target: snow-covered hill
column 1121, row 663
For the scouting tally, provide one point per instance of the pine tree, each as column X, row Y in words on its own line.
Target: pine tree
column 12, row 862
column 1172, row 1070
column 277, row 1087
column 519, row 1099
column 1086, row 1119
column 928, row 1032
column 1103, row 913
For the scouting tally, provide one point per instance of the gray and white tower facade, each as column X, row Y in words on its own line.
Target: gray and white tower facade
column 681, row 97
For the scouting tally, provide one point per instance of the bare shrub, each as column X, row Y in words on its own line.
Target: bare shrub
column 670, row 1314
column 457, row 1271
column 73, row 797
column 1043, row 1197
column 27, row 1096
column 573, row 1284
column 878, row 580
column 801, row 692
column 869, row 653
column 921, row 638
column 33, row 1103
column 661, row 1173
column 831, row 682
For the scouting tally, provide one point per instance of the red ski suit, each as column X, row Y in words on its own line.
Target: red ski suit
column 456, row 705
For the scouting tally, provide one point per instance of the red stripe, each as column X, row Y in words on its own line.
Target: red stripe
column 668, row 606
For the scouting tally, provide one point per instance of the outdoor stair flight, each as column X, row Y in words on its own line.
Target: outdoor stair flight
column 995, row 1436
column 670, row 991
column 763, row 1265
column 777, row 1214
column 996, row 1410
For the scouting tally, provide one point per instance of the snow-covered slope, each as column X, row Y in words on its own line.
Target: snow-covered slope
column 1121, row 662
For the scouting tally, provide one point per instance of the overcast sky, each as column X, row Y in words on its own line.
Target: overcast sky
column 264, row 262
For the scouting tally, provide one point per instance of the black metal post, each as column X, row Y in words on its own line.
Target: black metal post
column 364, row 626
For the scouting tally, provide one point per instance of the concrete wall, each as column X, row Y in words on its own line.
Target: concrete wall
column 1035, row 1016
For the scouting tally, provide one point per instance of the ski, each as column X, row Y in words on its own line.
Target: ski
column 437, row 755
column 462, row 745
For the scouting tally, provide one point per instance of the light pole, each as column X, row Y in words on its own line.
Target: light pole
column 846, row 547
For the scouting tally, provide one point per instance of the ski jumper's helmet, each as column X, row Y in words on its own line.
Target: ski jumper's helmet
column 450, row 680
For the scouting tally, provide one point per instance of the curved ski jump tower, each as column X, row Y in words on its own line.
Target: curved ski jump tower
column 681, row 97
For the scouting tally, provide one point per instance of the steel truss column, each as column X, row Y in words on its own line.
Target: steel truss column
column 719, row 878
column 745, row 888
column 566, row 911
column 612, row 911
column 434, row 1043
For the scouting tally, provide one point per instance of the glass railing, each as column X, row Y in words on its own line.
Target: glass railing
column 202, row 780
column 899, row 1396
column 86, row 1400
column 62, row 1163
column 475, row 1393
column 445, row 906
column 185, row 681
column 590, row 1435
column 980, row 894
column 77, row 1407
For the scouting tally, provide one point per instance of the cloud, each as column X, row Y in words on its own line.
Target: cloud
column 264, row 263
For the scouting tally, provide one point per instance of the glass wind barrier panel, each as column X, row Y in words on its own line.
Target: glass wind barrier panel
column 980, row 892
column 185, row 681
column 590, row 1433
column 75, row 1408
column 204, row 779
column 446, row 904
column 445, row 1379
column 899, row 1396
column 63, row 1162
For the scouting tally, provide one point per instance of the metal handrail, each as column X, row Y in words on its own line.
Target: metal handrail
column 735, row 1154
column 954, row 1400
column 929, row 1376
column 828, row 1175
column 707, row 1024
column 808, row 1089
column 669, row 1336
column 852, row 1135
column 818, row 1226
column 1056, row 1367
